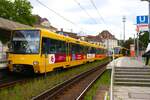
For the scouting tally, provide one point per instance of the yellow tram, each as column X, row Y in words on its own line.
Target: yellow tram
column 120, row 51
column 40, row 50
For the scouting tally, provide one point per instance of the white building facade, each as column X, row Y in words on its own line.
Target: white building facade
column 110, row 43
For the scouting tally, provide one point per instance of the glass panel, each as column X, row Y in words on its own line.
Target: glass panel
column 52, row 46
column 117, row 50
column 26, row 42
column 76, row 48
column 57, row 46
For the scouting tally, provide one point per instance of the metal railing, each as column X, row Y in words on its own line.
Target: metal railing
column 112, row 79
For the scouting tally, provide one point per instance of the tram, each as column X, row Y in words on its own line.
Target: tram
column 120, row 51
column 40, row 51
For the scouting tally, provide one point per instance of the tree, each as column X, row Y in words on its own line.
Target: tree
column 128, row 42
column 19, row 10
column 143, row 39
column 6, row 9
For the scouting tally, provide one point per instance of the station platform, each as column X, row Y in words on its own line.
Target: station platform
column 131, row 79
column 127, row 62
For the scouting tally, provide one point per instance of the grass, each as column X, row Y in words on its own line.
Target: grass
column 30, row 89
column 104, row 80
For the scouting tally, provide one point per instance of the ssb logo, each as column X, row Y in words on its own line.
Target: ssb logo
column 51, row 58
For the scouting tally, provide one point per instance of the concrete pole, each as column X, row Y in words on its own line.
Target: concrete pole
column 149, row 20
column 134, row 40
column 137, row 45
column 124, row 20
column 134, row 44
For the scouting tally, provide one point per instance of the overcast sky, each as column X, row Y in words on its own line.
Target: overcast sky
column 110, row 18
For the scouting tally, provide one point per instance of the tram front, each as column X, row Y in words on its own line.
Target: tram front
column 24, row 51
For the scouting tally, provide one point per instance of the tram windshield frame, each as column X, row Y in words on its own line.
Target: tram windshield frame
column 25, row 42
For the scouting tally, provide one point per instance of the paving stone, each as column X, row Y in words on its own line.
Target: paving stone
column 127, row 64
column 139, row 95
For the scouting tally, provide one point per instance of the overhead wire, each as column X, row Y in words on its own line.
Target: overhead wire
column 85, row 11
column 100, row 16
column 58, row 14
column 94, row 5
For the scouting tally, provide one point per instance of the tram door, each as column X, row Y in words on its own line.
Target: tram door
column 44, row 55
column 54, row 53
column 68, row 52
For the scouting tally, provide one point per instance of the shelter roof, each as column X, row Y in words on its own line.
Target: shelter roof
column 11, row 25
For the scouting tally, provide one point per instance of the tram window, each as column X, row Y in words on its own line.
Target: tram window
column 101, row 51
column 81, row 49
column 61, row 47
column 92, row 50
column 98, row 51
column 57, row 46
column 52, row 46
column 73, row 49
column 76, row 48
column 45, row 44
column 89, row 49
column 85, row 50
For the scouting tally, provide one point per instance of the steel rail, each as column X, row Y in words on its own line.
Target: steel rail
column 11, row 83
column 11, row 79
column 81, row 96
column 50, row 93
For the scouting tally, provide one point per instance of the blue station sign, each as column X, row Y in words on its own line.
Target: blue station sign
column 142, row 19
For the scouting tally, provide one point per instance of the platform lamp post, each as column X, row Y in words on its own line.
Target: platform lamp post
column 148, row 18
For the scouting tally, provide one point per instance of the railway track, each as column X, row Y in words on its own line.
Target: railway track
column 8, row 79
column 74, row 88
column 11, row 83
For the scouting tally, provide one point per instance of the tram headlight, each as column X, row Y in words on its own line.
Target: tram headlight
column 35, row 62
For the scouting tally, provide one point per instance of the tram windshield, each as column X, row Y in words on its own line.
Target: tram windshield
column 117, row 50
column 25, row 42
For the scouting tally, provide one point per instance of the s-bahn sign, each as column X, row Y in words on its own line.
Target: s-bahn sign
column 142, row 19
